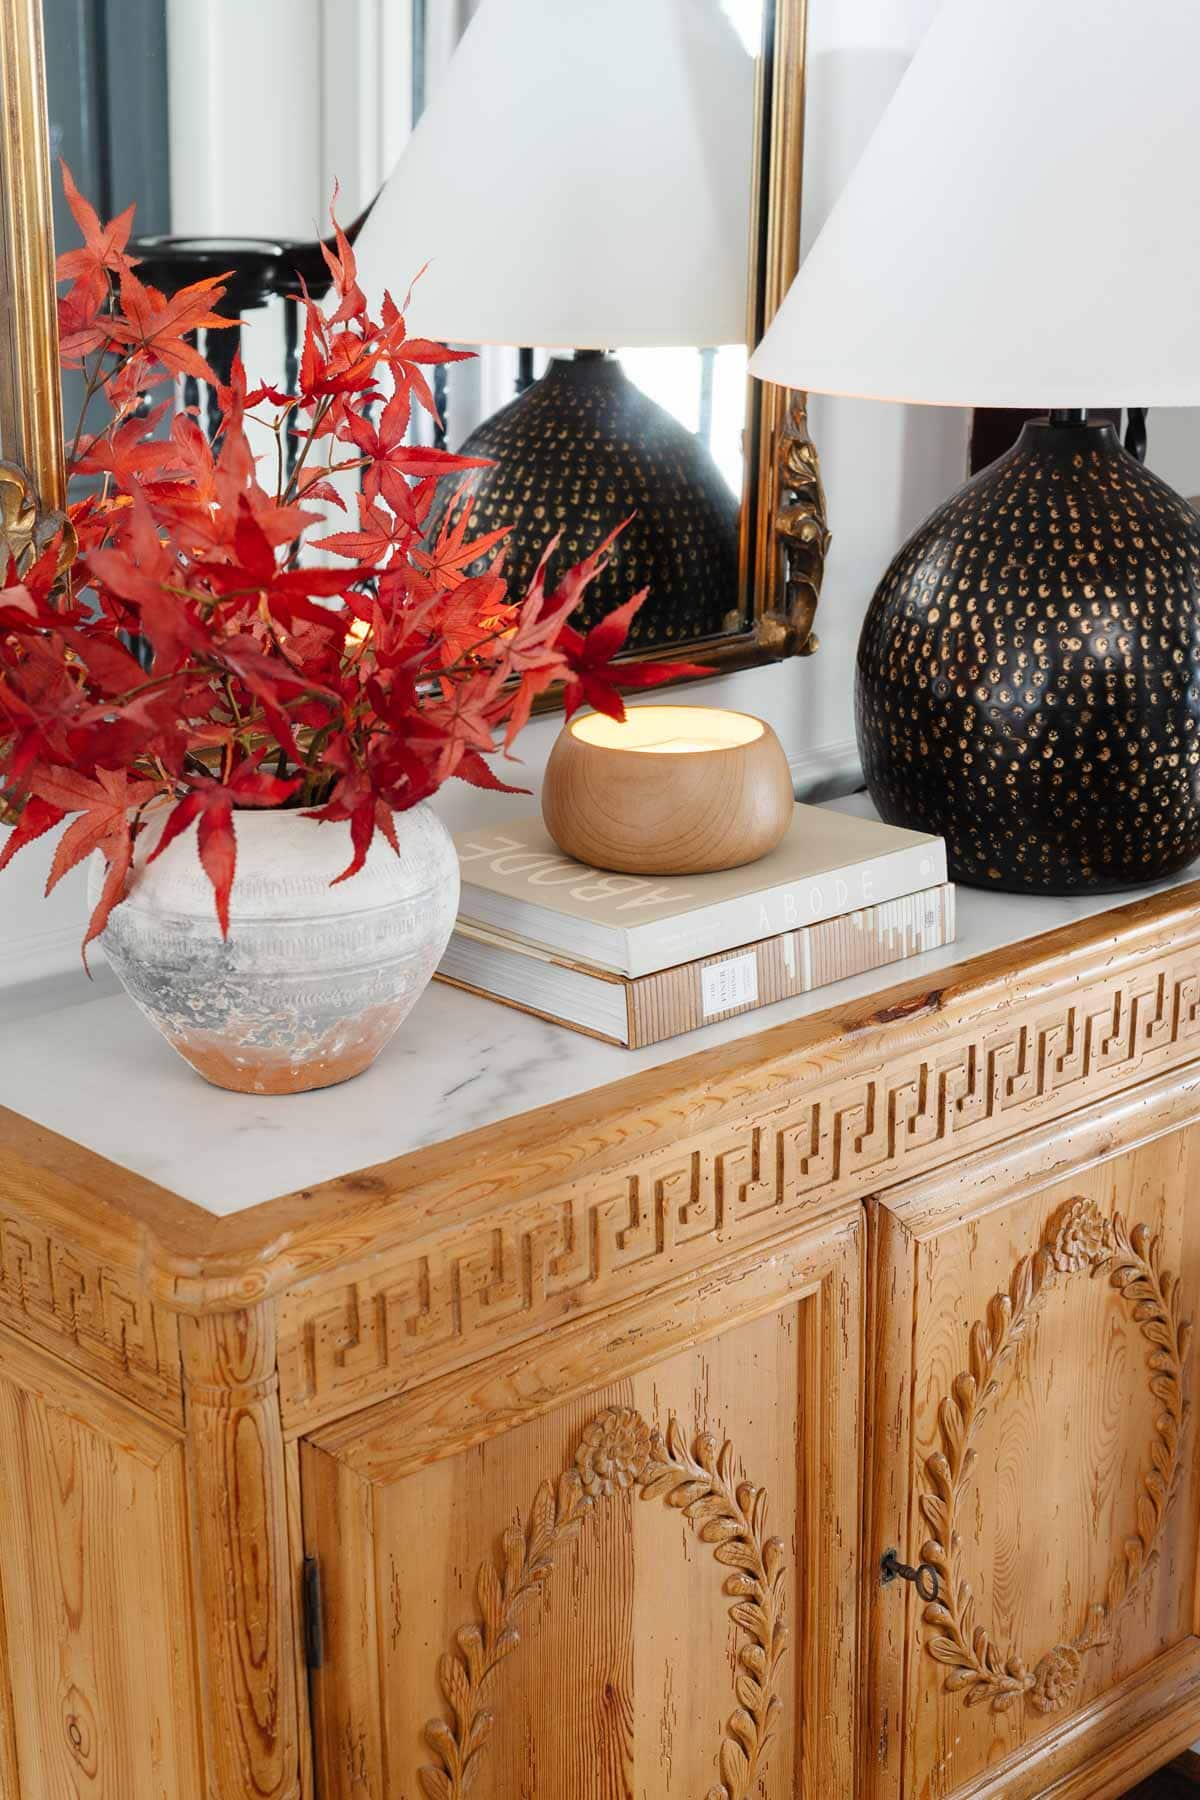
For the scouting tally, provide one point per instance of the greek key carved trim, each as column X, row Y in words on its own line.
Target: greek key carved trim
column 1084, row 1241
column 617, row 1452
column 365, row 1333
column 53, row 1291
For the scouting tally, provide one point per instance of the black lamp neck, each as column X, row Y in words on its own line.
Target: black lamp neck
column 1074, row 418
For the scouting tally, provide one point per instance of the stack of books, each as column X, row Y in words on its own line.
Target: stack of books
column 634, row 959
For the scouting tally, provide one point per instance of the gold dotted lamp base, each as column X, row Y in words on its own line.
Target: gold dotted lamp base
column 1029, row 672
column 674, row 790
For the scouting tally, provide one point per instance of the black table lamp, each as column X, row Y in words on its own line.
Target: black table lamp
column 582, row 179
column 1024, row 231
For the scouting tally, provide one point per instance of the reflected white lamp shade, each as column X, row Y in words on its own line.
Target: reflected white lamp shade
column 1024, row 227
column 581, row 178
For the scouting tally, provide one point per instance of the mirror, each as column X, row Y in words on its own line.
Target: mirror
column 228, row 124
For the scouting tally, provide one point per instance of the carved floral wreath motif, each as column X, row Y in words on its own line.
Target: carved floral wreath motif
column 618, row 1451
column 1084, row 1240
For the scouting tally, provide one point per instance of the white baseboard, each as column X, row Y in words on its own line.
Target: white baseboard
column 34, row 955
column 827, row 771
column 40, row 935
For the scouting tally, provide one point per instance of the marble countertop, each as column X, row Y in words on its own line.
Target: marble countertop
column 86, row 1064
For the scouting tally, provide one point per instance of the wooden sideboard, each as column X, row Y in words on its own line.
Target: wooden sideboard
column 559, row 1458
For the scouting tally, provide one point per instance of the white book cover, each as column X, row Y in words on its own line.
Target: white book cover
column 515, row 879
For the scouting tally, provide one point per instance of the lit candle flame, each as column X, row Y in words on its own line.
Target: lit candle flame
column 669, row 730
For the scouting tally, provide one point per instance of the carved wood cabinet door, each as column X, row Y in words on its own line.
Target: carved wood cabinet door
column 618, row 1564
column 1032, row 1440
column 99, row 1687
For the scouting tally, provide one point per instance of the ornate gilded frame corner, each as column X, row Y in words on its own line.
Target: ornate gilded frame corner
column 800, row 529
column 784, row 534
column 31, row 429
column 27, row 527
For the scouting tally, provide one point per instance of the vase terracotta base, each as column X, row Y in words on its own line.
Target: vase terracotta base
column 248, row 1069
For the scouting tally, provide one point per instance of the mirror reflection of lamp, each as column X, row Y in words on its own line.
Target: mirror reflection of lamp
column 582, row 179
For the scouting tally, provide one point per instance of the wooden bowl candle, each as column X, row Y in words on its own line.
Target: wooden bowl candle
column 673, row 790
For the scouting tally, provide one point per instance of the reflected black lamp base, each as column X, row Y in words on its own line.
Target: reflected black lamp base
column 579, row 451
column 1029, row 672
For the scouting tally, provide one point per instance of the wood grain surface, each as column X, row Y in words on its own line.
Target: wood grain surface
column 323, row 1372
column 680, row 814
column 245, row 1580
column 72, row 1266
column 95, row 1573
column 621, row 1680
column 1078, row 1546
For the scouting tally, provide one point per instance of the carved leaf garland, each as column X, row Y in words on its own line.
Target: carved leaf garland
column 618, row 1451
column 1083, row 1240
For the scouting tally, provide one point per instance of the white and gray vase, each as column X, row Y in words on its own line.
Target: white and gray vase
column 313, row 979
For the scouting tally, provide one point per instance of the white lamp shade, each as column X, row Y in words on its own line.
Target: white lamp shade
column 1024, row 226
column 581, row 178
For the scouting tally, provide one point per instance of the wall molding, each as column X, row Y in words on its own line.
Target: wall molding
column 826, row 771
column 27, row 956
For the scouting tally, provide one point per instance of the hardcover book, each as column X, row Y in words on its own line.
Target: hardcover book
column 515, row 880
column 640, row 1010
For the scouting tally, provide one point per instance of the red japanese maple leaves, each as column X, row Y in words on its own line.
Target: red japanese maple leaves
column 196, row 663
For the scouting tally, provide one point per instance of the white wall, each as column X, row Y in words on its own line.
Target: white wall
column 885, row 466
column 275, row 129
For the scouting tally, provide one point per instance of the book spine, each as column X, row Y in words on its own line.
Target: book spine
column 532, row 1012
column 798, row 906
column 718, row 987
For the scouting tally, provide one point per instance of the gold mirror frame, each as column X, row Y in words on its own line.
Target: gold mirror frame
column 31, row 429
column 784, row 537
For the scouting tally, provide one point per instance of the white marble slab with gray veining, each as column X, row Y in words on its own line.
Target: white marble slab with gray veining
column 80, row 1059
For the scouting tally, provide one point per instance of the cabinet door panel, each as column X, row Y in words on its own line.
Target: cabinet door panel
column 1048, row 1472
column 94, row 1578
column 613, row 1597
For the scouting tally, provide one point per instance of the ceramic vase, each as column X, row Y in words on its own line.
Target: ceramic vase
column 313, row 979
